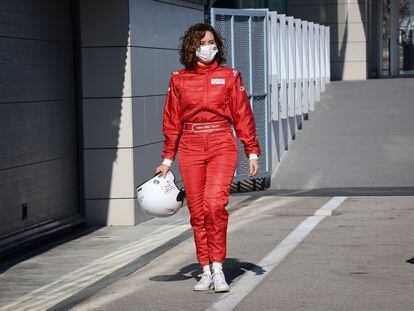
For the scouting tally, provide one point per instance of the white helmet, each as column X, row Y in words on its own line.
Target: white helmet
column 160, row 196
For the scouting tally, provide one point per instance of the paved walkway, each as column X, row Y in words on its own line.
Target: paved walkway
column 41, row 279
column 359, row 136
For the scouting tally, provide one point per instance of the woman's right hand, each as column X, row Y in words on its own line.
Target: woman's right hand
column 164, row 168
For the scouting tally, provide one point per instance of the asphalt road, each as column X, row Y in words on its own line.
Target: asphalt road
column 360, row 258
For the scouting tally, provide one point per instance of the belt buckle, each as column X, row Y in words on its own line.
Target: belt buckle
column 209, row 127
column 198, row 130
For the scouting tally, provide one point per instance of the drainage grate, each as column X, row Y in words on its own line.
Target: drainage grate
column 250, row 185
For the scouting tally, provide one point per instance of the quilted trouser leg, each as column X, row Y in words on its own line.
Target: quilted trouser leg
column 193, row 168
column 207, row 163
column 220, row 172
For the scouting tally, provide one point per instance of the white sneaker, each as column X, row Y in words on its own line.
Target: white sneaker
column 204, row 283
column 219, row 281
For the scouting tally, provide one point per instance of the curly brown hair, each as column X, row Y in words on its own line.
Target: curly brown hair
column 191, row 42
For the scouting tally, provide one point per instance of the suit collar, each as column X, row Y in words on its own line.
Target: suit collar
column 206, row 68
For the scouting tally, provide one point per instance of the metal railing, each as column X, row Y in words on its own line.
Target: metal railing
column 285, row 64
column 299, row 70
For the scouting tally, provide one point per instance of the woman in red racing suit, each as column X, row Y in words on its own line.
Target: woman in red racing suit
column 203, row 101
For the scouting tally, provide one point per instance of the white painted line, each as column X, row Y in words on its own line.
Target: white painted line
column 327, row 209
column 250, row 280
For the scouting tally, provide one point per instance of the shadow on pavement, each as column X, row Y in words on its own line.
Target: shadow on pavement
column 232, row 267
column 25, row 252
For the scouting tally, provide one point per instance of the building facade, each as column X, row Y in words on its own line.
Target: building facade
column 369, row 38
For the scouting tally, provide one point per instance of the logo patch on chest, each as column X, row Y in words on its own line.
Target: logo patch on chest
column 218, row 81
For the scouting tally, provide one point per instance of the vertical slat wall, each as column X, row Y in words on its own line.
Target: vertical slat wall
column 299, row 54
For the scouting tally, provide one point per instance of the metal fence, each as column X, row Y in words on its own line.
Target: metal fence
column 245, row 33
column 285, row 66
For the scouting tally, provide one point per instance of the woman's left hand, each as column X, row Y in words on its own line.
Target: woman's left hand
column 253, row 167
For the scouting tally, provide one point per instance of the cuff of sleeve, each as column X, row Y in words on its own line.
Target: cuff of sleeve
column 167, row 162
column 253, row 156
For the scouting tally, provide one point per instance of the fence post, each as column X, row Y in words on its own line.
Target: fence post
column 312, row 78
column 299, row 70
column 305, row 61
column 322, row 57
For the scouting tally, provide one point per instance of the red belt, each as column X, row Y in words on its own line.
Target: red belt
column 207, row 126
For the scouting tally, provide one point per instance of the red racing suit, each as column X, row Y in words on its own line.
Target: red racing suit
column 207, row 160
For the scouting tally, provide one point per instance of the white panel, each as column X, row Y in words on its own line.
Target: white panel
column 291, row 67
column 328, row 55
column 305, row 58
column 317, row 64
column 277, row 143
column 274, row 66
column 322, row 57
column 311, row 66
column 299, row 65
column 283, row 65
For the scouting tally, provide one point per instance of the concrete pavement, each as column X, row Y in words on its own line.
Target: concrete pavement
column 360, row 258
column 357, row 259
column 45, row 277
column 360, row 135
column 356, row 144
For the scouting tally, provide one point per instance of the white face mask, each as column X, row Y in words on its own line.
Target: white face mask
column 207, row 52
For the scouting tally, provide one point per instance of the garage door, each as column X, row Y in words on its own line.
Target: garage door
column 38, row 124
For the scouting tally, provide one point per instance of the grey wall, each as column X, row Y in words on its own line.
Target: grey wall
column 349, row 39
column 38, row 144
column 126, row 68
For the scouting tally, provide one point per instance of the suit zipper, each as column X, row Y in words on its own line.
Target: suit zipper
column 206, row 89
column 206, row 137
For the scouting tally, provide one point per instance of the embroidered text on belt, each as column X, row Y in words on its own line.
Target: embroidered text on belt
column 206, row 126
